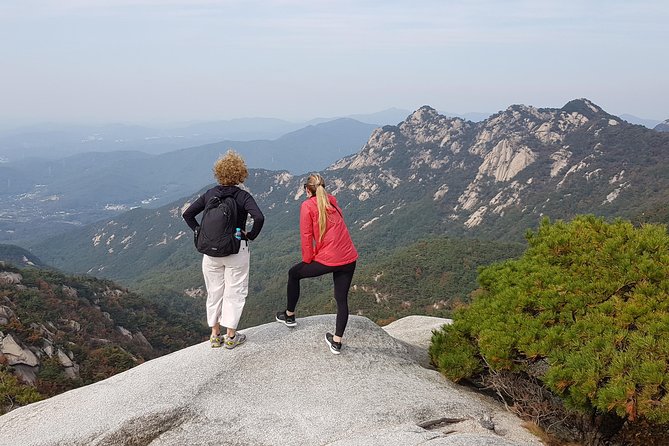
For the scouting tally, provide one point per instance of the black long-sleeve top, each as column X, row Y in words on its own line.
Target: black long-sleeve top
column 245, row 205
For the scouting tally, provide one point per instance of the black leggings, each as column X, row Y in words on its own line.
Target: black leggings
column 342, row 277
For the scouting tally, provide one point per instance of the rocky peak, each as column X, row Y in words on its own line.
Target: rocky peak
column 426, row 125
column 520, row 117
column 423, row 114
column 584, row 107
column 521, row 109
column 547, row 125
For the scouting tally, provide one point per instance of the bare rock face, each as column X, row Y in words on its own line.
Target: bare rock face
column 415, row 333
column 505, row 161
column 481, row 171
column 10, row 278
column 16, row 354
column 416, row 330
column 6, row 314
column 282, row 387
column 23, row 360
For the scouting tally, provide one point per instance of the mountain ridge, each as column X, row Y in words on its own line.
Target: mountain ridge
column 53, row 140
column 16, row 255
column 478, row 179
column 489, row 162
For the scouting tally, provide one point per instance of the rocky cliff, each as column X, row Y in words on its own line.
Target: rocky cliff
column 283, row 387
column 520, row 163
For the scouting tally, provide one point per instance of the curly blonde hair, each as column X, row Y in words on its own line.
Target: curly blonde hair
column 230, row 169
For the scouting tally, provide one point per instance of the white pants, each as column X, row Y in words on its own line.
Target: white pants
column 227, row 282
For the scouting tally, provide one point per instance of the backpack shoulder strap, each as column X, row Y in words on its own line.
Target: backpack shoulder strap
column 213, row 202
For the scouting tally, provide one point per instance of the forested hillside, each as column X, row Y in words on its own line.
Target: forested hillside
column 59, row 332
column 18, row 256
column 430, row 276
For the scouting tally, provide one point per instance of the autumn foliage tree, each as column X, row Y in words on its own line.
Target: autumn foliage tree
column 584, row 311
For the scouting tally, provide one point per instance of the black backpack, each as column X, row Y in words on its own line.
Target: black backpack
column 216, row 235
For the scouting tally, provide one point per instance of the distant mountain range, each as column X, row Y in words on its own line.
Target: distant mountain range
column 429, row 176
column 53, row 141
column 41, row 197
column 493, row 178
column 650, row 123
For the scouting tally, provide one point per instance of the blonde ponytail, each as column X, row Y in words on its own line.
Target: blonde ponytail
column 316, row 185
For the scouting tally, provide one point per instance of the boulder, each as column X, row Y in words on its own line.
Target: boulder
column 282, row 387
column 76, row 326
column 26, row 373
column 72, row 372
column 8, row 278
column 416, row 333
column 124, row 332
column 70, row 292
column 65, row 360
column 139, row 339
column 416, row 330
column 6, row 314
column 15, row 354
column 47, row 347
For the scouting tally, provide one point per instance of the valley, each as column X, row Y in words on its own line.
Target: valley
column 49, row 196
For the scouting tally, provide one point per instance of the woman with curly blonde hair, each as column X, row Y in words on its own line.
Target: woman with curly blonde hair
column 226, row 278
column 326, row 248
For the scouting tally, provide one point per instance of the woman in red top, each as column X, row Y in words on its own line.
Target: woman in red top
column 326, row 248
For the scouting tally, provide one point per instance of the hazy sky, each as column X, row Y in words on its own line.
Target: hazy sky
column 158, row 61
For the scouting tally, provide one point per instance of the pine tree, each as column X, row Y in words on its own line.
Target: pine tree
column 588, row 298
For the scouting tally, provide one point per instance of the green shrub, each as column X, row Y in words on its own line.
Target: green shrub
column 590, row 300
column 13, row 393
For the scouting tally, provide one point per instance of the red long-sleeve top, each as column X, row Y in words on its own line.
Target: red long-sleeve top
column 336, row 248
